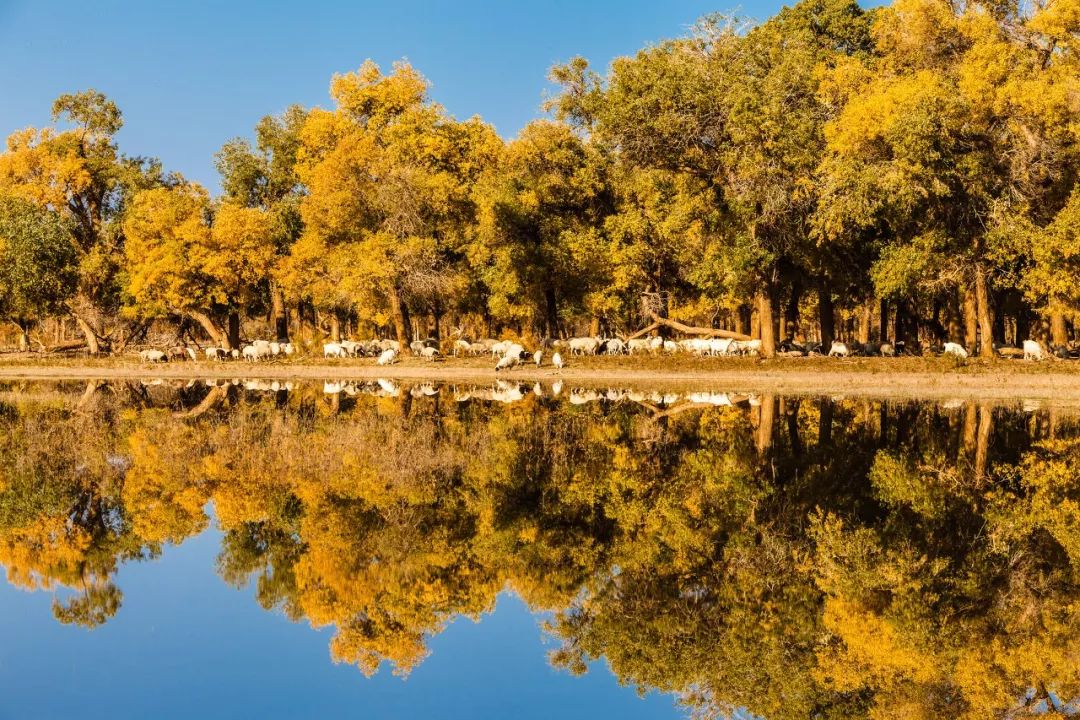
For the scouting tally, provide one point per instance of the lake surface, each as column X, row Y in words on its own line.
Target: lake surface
column 386, row 550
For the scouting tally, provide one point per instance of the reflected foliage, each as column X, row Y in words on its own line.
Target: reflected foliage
column 788, row 557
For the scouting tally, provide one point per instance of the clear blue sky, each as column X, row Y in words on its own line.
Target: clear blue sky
column 189, row 75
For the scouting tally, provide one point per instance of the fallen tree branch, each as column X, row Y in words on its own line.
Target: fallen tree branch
column 687, row 329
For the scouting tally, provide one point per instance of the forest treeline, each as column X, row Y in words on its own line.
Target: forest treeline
column 902, row 173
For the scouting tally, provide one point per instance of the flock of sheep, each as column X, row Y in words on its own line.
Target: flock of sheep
column 509, row 354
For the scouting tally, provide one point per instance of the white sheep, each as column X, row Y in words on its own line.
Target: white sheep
column 557, row 361
column 388, row 357
column 745, row 347
column 256, row 351
column 538, row 357
column 583, row 345
column 152, row 356
column 507, row 361
column 429, row 353
column 1033, row 350
column 333, row 350
column 956, row 349
column 615, row 346
column 839, row 349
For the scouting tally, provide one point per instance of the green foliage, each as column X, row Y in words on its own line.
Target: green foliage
column 37, row 262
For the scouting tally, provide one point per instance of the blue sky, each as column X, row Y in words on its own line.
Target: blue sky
column 189, row 75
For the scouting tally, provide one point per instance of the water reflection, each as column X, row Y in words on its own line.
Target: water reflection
column 789, row 557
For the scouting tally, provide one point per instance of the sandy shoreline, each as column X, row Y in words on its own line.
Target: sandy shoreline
column 874, row 378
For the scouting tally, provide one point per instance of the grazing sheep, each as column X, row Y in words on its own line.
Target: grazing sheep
column 215, row 353
column 956, row 349
column 152, row 356
column 584, row 346
column 289, row 349
column 257, row 351
column 887, row 350
column 538, row 357
column 388, row 357
column 333, row 350
column 507, row 361
column 1033, row 350
column 720, row 346
column 839, row 349
column 557, row 361
column 429, row 353
column 235, row 354
column 614, row 346
column 462, row 347
column 745, row 347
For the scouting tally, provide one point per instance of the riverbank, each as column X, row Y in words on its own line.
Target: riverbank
column 930, row 378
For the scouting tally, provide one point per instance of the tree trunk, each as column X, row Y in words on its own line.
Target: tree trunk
column 826, row 314
column 92, row 345
column 883, row 329
column 551, row 312
column 954, row 319
column 233, row 339
column 335, row 327
column 902, row 323
column 400, row 313
column 594, row 327
column 866, row 321
column 985, row 314
column 791, row 312
column 1059, row 334
column 24, row 336
column 436, row 321
column 217, row 337
column 281, row 315
column 742, row 320
column 766, row 323
column 971, row 318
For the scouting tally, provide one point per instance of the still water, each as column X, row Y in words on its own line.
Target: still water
column 385, row 550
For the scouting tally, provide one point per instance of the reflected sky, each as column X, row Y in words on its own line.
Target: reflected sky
column 187, row 645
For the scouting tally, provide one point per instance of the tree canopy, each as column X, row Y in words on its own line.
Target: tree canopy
column 907, row 172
